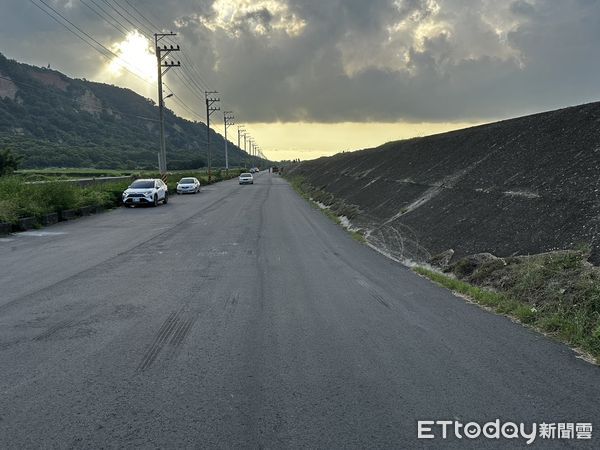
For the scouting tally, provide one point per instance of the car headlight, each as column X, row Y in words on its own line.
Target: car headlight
column 148, row 193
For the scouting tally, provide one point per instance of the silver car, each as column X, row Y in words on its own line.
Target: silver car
column 146, row 192
column 189, row 185
column 246, row 178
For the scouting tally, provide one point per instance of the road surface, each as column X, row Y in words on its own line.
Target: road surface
column 242, row 317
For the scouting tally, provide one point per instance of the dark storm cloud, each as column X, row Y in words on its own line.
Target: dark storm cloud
column 356, row 60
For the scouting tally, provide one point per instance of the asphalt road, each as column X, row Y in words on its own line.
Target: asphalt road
column 242, row 317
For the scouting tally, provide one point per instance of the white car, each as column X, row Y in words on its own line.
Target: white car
column 246, row 178
column 146, row 192
column 188, row 186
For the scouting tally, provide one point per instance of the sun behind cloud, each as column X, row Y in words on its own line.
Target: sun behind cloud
column 134, row 55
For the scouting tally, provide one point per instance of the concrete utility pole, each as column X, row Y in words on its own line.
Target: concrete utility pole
column 210, row 101
column 241, row 130
column 252, row 144
column 163, row 68
column 228, row 121
column 246, row 137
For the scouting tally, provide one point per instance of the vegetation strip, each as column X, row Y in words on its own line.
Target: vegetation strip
column 20, row 200
column 527, row 297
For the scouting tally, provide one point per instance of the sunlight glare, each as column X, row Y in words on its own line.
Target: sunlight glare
column 135, row 55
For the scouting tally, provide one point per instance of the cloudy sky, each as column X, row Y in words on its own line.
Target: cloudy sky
column 314, row 77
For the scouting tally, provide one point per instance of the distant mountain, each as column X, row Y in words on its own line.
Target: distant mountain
column 52, row 120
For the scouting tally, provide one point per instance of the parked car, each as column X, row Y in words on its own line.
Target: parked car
column 246, row 178
column 146, row 192
column 188, row 186
column 254, row 170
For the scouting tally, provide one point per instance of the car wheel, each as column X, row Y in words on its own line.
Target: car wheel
column 166, row 200
column 155, row 202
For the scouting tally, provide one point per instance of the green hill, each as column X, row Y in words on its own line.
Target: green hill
column 51, row 120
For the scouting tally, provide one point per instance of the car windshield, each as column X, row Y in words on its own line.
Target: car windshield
column 245, row 175
column 142, row 184
column 186, row 181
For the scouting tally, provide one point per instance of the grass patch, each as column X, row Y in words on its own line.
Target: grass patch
column 557, row 293
column 358, row 236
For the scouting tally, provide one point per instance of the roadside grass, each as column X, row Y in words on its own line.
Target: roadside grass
column 20, row 199
column 358, row 236
column 55, row 174
column 556, row 293
column 334, row 209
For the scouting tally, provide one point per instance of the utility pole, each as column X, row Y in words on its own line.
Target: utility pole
column 246, row 136
column 228, row 121
column 210, row 101
column 163, row 67
column 241, row 129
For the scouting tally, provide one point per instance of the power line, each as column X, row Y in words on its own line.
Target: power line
column 142, row 16
column 191, row 79
column 95, row 11
column 119, row 13
column 202, row 84
column 118, row 25
column 187, row 81
column 79, row 30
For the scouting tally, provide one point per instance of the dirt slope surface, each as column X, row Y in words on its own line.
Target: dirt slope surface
column 520, row 186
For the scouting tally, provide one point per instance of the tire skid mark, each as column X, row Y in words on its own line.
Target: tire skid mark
column 231, row 301
column 173, row 331
column 54, row 329
column 378, row 297
column 159, row 341
column 182, row 332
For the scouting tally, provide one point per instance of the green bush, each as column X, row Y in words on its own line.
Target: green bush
column 19, row 199
column 9, row 213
